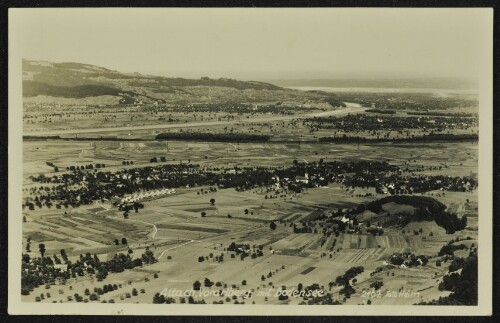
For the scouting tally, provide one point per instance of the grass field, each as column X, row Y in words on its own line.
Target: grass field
column 173, row 228
column 183, row 235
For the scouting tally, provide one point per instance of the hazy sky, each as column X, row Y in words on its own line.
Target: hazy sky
column 259, row 43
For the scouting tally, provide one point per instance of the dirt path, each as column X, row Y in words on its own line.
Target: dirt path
column 175, row 247
column 155, row 229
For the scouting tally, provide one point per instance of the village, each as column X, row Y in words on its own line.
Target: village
column 217, row 186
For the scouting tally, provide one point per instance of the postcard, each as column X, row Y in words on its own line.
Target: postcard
column 250, row 161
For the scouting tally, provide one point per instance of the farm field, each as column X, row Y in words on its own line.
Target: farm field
column 458, row 159
column 113, row 214
column 176, row 233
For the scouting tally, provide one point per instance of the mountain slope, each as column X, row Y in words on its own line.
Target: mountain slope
column 78, row 81
column 61, row 78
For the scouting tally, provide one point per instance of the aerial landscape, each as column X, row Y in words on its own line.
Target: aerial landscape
column 162, row 189
column 138, row 187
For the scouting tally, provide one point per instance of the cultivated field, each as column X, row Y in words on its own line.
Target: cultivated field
column 203, row 221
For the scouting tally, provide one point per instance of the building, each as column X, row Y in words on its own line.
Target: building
column 302, row 179
column 62, row 267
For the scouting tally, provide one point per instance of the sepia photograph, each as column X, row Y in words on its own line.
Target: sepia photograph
column 267, row 161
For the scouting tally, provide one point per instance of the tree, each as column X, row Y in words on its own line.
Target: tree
column 41, row 247
column 64, row 255
column 196, row 285
column 203, row 214
column 212, row 201
column 124, row 240
column 282, row 297
column 207, row 282
column 272, row 225
column 158, row 299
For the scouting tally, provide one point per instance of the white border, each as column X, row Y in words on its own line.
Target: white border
column 16, row 23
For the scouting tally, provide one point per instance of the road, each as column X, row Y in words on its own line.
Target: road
column 350, row 108
column 183, row 244
column 155, row 229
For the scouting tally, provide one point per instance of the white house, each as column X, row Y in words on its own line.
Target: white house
column 62, row 267
column 304, row 179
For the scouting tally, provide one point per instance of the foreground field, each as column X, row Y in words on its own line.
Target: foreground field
column 198, row 233
column 176, row 233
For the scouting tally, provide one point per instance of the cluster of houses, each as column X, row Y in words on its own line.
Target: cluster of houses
column 406, row 260
column 354, row 226
column 138, row 197
column 314, row 180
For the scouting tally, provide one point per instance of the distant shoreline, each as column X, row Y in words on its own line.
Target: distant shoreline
column 383, row 90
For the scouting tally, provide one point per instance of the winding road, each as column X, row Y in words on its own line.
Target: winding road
column 182, row 244
column 155, row 229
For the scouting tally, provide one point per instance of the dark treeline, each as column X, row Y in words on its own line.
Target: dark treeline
column 41, row 138
column 425, row 138
column 344, row 139
column 450, row 249
column 39, row 271
column 230, row 108
column 382, row 111
column 407, row 101
column 345, row 280
column 198, row 136
column 426, row 209
column 82, row 186
column 463, row 285
column 441, row 114
column 382, row 123
column 333, row 224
